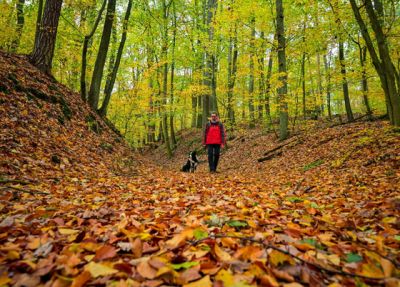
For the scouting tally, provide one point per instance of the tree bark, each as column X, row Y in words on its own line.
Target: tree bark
column 328, row 85
column 282, row 90
column 98, row 70
column 209, row 99
column 111, row 79
column 251, row 76
column 43, row 51
column 345, row 85
column 232, row 69
column 389, row 76
column 84, row 95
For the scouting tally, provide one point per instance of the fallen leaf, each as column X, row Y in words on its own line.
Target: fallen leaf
column 203, row 282
column 98, row 269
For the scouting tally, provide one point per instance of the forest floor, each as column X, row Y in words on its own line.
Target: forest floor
column 77, row 207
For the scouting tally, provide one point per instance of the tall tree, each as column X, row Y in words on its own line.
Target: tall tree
column 98, row 70
column 381, row 59
column 115, row 66
column 43, row 51
column 282, row 90
column 209, row 100
column 345, row 84
column 251, row 67
column 84, row 51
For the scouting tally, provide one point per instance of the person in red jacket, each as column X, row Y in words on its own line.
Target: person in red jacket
column 214, row 138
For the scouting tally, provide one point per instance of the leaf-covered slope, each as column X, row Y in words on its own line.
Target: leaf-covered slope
column 46, row 129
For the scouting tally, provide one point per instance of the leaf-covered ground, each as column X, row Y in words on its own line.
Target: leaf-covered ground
column 76, row 208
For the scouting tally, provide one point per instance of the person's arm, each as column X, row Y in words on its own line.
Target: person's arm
column 205, row 135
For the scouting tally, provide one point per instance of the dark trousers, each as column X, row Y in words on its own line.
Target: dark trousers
column 213, row 156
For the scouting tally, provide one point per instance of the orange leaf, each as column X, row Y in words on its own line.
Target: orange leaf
column 221, row 254
column 146, row 271
column 81, row 279
column 105, row 252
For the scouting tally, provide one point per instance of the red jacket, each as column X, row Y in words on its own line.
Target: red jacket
column 214, row 133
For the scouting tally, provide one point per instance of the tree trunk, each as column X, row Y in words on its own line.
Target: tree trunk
column 84, row 95
column 251, row 76
column 328, row 85
column 38, row 19
column 345, row 85
column 98, row 70
column 389, row 76
column 209, row 102
column 111, row 79
column 232, row 69
column 282, row 91
column 171, row 117
column 364, row 81
column 164, row 59
column 43, row 51
column 261, row 82
column 268, row 91
column 20, row 25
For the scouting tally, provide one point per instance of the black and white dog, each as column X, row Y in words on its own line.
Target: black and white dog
column 191, row 163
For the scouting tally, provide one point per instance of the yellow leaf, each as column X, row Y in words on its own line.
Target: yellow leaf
column 335, row 259
column 89, row 257
column 277, row 258
column 66, row 231
column 389, row 220
column 221, row 254
column 371, row 270
column 12, row 255
column 4, row 280
column 226, row 277
column 203, row 282
column 97, row 270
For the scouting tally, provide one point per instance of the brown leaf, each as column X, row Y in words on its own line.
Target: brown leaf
column 146, row 271
column 105, row 252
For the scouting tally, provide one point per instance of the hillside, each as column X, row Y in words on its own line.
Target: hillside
column 358, row 156
column 47, row 132
column 77, row 208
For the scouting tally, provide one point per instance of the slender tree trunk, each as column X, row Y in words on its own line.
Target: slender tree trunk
column 345, row 85
column 251, row 76
column 232, row 69
column 303, row 84
column 42, row 55
column 38, row 19
column 261, row 82
column 164, row 58
column 98, row 71
column 389, row 76
column 171, row 117
column 84, row 95
column 364, row 81
column 115, row 66
column 328, row 85
column 20, row 25
column 268, row 91
column 209, row 102
column 282, row 91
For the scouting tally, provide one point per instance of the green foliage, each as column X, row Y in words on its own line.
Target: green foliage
column 137, row 102
column 313, row 165
column 353, row 257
